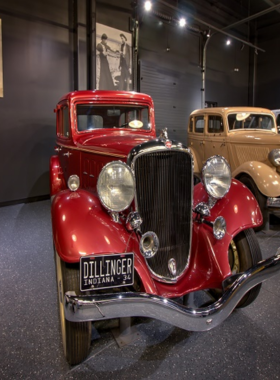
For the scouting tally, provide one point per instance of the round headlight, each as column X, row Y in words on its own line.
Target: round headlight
column 274, row 157
column 216, row 176
column 73, row 182
column 116, row 186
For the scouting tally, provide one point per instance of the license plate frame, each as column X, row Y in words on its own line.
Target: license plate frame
column 106, row 271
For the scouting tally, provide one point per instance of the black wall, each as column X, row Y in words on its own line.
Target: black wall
column 48, row 50
column 36, row 72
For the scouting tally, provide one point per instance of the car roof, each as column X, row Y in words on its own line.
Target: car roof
column 228, row 110
column 102, row 94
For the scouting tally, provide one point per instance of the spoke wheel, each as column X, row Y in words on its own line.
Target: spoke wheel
column 76, row 337
column 244, row 252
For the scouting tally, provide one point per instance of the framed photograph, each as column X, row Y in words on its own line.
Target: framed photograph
column 1, row 63
column 113, row 59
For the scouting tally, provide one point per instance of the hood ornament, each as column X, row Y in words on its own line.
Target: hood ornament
column 163, row 134
column 172, row 267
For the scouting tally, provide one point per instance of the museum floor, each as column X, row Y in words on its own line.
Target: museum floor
column 245, row 346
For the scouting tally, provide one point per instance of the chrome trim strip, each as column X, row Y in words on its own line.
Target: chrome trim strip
column 81, row 149
column 273, row 202
column 119, row 305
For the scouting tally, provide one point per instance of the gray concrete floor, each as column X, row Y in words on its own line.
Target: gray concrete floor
column 245, row 346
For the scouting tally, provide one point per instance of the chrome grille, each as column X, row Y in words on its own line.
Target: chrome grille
column 164, row 199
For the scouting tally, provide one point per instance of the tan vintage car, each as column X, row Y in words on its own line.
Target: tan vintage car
column 249, row 140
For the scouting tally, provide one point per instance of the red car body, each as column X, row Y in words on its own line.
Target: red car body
column 82, row 226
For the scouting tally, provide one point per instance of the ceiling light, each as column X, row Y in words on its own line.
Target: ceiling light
column 148, row 5
column 182, row 22
column 228, row 42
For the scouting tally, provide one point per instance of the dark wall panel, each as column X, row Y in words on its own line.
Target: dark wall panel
column 227, row 72
column 36, row 72
column 170, row 73
column 267, row 75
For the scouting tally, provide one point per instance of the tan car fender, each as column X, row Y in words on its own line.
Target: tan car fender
column 197, row 162
column 266, row 178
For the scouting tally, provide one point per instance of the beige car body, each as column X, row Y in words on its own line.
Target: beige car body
column 211, row 132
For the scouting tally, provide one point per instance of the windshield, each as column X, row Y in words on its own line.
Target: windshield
column 247, row 120
column 91, row 117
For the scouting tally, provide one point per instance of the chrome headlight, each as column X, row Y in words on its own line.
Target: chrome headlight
column 116, row 186
column 274, row 157
column 73, row 182
column 216, row 176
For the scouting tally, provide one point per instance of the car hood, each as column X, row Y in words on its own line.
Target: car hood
column 270, row 139
column 117, row 143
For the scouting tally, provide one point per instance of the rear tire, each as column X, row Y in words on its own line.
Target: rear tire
column 261, row 199
column 76, row 337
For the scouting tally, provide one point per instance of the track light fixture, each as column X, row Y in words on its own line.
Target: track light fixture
column 148, row 5
column 182, row 22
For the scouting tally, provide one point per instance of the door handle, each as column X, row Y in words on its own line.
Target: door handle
column 68, row 154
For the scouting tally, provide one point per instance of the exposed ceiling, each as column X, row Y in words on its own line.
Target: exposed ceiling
column 261, row 17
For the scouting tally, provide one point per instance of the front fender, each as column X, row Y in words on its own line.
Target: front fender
column 265, row 177
column 239, row 207
column 82, row 227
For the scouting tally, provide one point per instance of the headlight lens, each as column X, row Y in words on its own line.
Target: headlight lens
column 116, row 186
column 73, row 182
column 274, row 157
column 216, row 176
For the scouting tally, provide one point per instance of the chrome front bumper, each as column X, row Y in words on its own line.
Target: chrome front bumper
column 273, row 205
column 118, row 305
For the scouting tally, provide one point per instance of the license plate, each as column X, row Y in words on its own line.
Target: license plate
column 106, row 271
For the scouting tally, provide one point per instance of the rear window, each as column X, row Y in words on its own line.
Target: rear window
column 90, row 117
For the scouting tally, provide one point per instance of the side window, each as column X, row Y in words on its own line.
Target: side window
column 62, row 121
column 278, row 120
column 65, row 122
column 191, row 125
column 199, row 124
column 215, row 124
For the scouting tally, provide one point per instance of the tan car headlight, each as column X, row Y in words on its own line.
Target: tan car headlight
column 116, row 186
column 274, row 157
column 216, row 176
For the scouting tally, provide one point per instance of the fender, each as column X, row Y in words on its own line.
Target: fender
column 197, row 165
column 266, row 178
column 57, row 182
column 239, row 207
column 81, row 227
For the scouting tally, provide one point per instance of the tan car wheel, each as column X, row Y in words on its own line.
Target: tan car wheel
column 76, row 337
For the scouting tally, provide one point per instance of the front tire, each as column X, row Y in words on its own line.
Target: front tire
column 243, row 253
column 76, row 337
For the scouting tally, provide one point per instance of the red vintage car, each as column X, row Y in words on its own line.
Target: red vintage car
column 133, row 234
